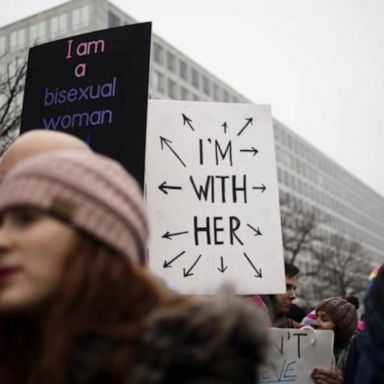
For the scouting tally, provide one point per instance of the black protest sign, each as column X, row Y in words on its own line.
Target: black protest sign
column 94, row 86
column 211, row 189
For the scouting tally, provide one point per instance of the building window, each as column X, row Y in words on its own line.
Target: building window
column 3, row 46
column 171, row 62
column 172, row 89
column 159, row 82
column 183, row 70
column 3, row 70
column 206, row 86
column 184, row 93
column 113, row 20
column 195, row 78
column 38, row 33
column 225, row 96
column 14, row 66
column 277, row 133
column 58, row 25
column 80, row 17
column 289, row 141
column 278, row 153
column 158, row 53
column 283, row 138
column 216, row 91
column 195, row 97
column 279, row 175
column 17, row 39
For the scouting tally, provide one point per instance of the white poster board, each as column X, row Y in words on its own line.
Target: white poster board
column 212, row 197
column 295, row 353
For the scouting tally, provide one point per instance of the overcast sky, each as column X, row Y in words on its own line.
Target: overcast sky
column 319, row 63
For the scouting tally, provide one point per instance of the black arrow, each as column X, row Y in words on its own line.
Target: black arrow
column 253, row 149
column 163, row 187
column 167, row 264
column 262, row 188
column 222, row 269
column 258, row 272
column 257, row 231
column 167, row 142
column 225, row 126
column 249, row 121
column 169, row 236
column 187, row 120
column 188, row 273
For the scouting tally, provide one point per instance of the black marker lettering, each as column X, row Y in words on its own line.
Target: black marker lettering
column 234, row 225
column 235, row 189
column 205, row 229
column 216, row 229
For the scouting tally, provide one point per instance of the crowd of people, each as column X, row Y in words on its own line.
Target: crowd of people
column 78, row 305
column 358, row 349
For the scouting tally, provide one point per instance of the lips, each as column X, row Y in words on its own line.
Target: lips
column 6, row 272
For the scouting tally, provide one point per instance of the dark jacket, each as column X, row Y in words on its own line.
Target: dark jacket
column 354, row 352
column 370, row 366
column 215, row 341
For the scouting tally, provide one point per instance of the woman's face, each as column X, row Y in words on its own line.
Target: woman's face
column 33, row 249
column 323, row 321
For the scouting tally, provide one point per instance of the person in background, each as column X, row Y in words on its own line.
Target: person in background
column 311, row 316
column 340, row 316
column 35, row 142
column 278, row 305
column 365, row 364
column 77, row 305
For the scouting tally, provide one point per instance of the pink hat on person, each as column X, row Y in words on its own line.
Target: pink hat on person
column 89, row 191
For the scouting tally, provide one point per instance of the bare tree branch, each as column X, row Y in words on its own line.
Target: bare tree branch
column 11, row 91
column 299, row 230
column 344, row 269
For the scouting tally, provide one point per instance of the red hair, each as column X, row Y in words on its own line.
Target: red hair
column 101, row 294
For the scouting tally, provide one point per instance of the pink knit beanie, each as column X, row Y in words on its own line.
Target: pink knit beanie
column 88, row 191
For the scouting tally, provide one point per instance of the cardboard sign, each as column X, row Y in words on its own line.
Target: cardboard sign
column 295, row 353
column 94, row 86
column 211, row 189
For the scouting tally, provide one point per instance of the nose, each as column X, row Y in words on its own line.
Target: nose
column 292, row 294
column 315, row 324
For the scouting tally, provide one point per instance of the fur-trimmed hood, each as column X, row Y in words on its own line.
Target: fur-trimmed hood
column 218, row 340
column 215, row 340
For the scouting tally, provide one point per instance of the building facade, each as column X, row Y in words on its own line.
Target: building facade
column 312, row 180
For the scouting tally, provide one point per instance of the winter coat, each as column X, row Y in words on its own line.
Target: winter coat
column 350, row 367
column 214, row 341
column 370, row 368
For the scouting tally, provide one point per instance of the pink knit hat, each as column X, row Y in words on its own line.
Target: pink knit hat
column 88, row 191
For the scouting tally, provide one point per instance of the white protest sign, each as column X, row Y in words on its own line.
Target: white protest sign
column 212, row 197
column 295, row 353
